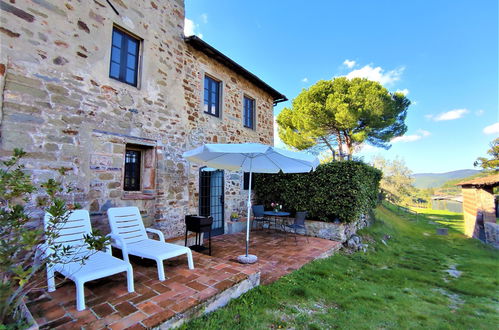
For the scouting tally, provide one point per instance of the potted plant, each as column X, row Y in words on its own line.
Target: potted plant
column 234, row 216
column 276, row 207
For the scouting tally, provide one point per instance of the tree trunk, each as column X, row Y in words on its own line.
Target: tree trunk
column 329, row 146
column 348, row 142
column 340, row 144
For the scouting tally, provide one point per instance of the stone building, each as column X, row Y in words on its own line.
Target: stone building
column 113, row 92
column 480, row 207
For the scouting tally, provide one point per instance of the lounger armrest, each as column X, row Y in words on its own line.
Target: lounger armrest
column 122, row 243
column 158, row 232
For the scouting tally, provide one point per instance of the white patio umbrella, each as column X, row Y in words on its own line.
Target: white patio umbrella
column 252, row 158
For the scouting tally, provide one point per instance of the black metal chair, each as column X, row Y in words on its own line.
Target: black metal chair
column 299, row 224
column 259, row 215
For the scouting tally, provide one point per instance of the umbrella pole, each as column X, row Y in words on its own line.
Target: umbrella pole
column 249, row 210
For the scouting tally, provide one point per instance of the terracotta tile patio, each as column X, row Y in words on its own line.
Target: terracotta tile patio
column 278, row 253
column 185, row 293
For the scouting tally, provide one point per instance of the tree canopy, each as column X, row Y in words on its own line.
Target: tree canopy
column 491, row 164
column 396, row 183
column 341, row 114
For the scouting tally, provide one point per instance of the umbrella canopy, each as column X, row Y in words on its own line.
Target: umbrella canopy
column 252, row 158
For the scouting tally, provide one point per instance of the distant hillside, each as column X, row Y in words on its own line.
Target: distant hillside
column 435, row 180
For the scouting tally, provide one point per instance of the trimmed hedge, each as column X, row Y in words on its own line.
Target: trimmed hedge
column 334, row 191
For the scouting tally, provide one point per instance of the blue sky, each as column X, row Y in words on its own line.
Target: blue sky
column 443, row 53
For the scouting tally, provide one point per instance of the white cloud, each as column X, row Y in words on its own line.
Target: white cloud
column 377, row 74
column 190, row 28
column 277, row 141
column 424, row 133
column 404, row 91
column 204, row 18
column 349, row 64
column 492, row 129
column 406, row 138
column 364, row 147
column 411, row 138
column 479, row 112
column 449, row 115
column 305, row 80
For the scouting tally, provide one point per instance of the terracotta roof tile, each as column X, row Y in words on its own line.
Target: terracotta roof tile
column 491, row 180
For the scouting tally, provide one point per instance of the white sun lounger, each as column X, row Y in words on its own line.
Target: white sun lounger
column 98, row 265
column 126, row 223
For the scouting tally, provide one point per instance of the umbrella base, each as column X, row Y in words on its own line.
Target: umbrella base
column 247, row 259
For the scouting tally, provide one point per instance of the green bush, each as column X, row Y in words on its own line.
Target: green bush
column 337, row 190
column 22, row 252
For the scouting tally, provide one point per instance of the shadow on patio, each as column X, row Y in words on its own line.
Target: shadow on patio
column 185, row 293
column 278, row 253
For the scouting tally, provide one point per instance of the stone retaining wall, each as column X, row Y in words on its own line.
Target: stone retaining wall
column 340, row 232
column 492, row 234
column 332, row 231
column 213, row 303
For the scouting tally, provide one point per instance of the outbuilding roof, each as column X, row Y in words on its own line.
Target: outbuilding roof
column 491, row 180
column 204, row 47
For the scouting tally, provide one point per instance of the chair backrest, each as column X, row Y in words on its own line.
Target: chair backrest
column 300, row 218
column 72, row 231
column 126, row 222
column 258, row 210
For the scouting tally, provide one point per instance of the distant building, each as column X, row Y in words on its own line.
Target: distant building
column 480, row 208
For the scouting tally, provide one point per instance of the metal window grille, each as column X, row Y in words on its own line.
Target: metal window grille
column 132, row 170
column 211, row 197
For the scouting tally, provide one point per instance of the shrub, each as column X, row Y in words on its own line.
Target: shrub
column 22, row 255
column 337, row 190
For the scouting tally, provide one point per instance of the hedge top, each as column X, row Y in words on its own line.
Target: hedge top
column 334, row 191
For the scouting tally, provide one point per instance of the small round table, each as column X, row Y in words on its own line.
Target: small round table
column 276, row 215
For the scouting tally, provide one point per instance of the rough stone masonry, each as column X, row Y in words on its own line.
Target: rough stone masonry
column 59, row 104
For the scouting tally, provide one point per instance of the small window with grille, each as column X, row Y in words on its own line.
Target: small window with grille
column 133, row 160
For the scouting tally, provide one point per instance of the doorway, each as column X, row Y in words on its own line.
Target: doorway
column 211, row 197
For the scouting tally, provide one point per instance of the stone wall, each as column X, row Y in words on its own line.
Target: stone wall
column 492, row 234
column 340, row 232
column 477, row 202
column 59, row 104
column 228, row 127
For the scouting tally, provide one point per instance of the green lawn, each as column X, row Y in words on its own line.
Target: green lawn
column 403, row 284
column 447, row 218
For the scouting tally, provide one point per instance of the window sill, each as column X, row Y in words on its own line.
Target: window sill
column 137, row 196
column 212, row 115
column 124, row 82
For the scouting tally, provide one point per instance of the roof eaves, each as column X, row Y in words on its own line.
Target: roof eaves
column 490, row 181
column 206, row 48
